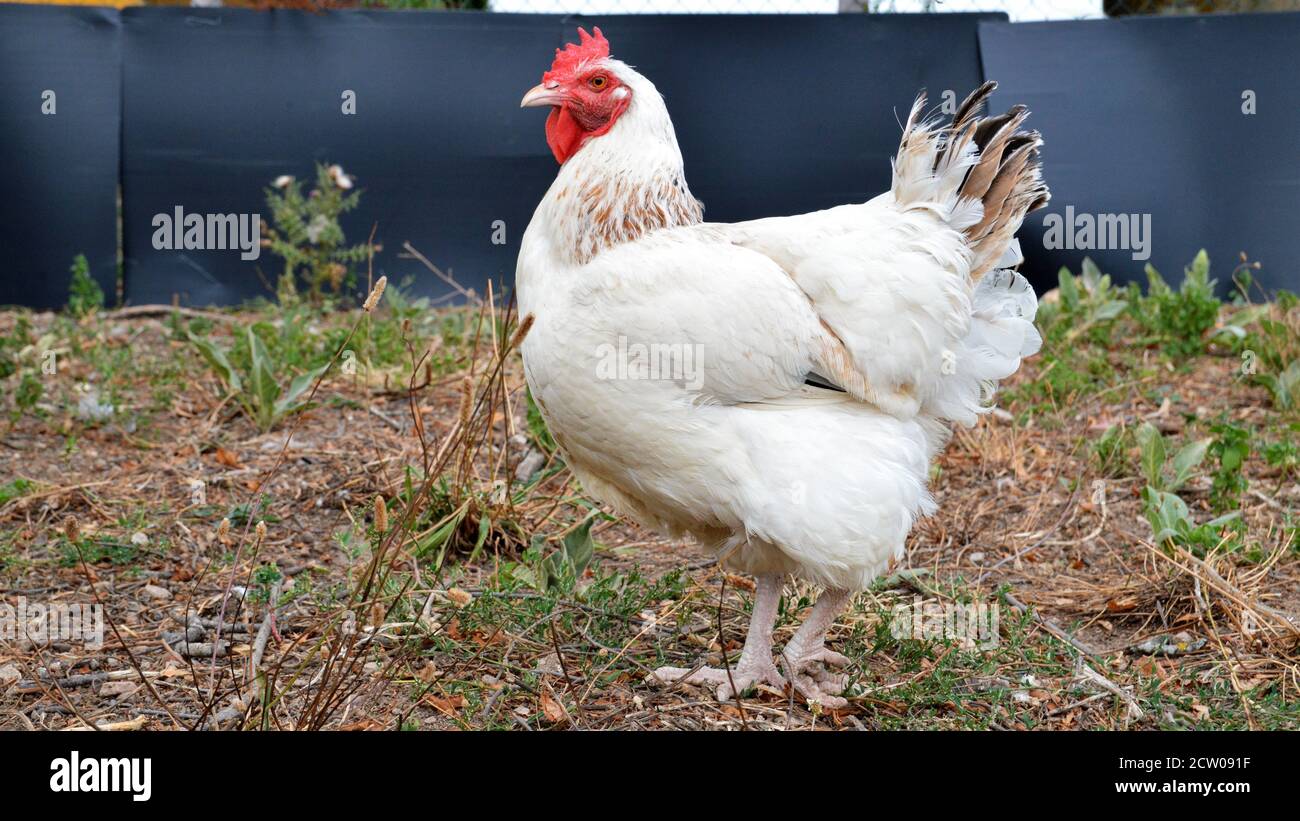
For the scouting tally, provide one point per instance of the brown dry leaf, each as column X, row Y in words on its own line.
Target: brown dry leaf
column 363, row 725
column 1121, row 605
column 447, row 705
column 552, row 710
column 497, row 636
column 227, row 458
column 427, row 673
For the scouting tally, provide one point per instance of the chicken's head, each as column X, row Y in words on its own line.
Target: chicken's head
column 586, row 94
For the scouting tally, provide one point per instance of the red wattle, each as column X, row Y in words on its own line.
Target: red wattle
column 563, row 134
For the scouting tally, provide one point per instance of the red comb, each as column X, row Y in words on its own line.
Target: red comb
column 567, row 60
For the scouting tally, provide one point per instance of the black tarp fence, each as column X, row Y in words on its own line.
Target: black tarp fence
column 1181, row 132
column 60, row 120
column 776, row 114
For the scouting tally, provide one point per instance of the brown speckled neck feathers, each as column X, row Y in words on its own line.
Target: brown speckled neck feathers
column 611, row 210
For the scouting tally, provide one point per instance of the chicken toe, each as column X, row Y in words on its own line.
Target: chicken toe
column 747, row 674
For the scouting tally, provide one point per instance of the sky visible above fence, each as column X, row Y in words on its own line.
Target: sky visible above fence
column 1018, row 10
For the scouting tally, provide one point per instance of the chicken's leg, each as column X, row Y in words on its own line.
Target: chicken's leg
column 806, row 658
column 755, row 665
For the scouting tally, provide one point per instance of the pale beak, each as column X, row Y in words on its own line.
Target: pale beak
column 543, row 94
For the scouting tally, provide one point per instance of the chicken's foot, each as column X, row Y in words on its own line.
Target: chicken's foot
column 806, row 659
column 755, row 664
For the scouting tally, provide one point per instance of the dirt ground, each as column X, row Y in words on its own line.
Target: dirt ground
column 465, row 620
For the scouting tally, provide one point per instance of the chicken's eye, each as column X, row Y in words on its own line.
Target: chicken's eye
column 598, row 82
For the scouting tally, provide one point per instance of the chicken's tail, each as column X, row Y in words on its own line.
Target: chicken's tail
column 980, row 174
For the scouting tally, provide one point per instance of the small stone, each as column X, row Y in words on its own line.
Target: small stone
column 113, row 689
column 139, row 539
column 9, row 676
column 156, row 592
column 549, row 665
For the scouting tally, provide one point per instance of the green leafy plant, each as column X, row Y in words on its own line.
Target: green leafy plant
column 97, row 549
column 558, row 572
column 1087, row 304
column 1152, row 456
column 12, row 344
column 537, row 430
column 27, row 359
column 84, row 293
column 257, row 389
column 307, row 235
column 30, row 390
column 1172, row 522
column 1271, row 351
column 1111, row 448
column 1179, row 319
column 1230, row 449
column 1284, row 456
column 15, row 488
column 263, row 580
column 565, row 566
column 1170, row 519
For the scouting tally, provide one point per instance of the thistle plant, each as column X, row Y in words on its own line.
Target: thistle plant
column 307, row 235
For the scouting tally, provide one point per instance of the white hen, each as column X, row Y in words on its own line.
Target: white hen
column 775, row 388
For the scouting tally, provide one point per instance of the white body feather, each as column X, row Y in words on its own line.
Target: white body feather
column 740, row 452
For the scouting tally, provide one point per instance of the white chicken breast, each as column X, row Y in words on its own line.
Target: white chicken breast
column 776, row 388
